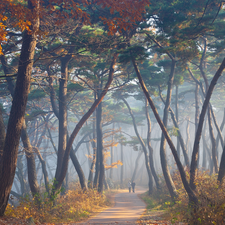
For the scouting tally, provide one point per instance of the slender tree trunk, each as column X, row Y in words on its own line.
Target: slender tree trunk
column 2, row 139
column 177, row 119
column 62, row 140
column 16, row 118
column 151, row 159
column 79, row 170
column 213, row 140
column 169, row 182
column 147, row 165
column 197, row 111
column 100, row 149
column 44, row 170
column 221, row 129
column 112, row 155
column 90, row 177
column 185, row 153
column 122, row 166
column 32, row 176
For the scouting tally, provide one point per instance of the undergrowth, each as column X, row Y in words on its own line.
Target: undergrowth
column 211, row 201
column 74, row 206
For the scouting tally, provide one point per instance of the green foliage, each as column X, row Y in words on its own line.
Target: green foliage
column 71, row 87
column 33, row 114
column 173, row 131
column 36, row 94
column 136, row 52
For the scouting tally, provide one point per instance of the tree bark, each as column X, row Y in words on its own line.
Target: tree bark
column 62, row 140
column 100, row 150
column 177, row 119
column 18, row 108
column 2, row 139
column 32, row 176
column 151, row 159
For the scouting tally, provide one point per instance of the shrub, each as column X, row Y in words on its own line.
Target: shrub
column 73, row 206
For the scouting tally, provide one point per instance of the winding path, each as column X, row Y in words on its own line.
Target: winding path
column 127, row 209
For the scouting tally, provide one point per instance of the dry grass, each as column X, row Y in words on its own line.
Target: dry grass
column 210, row 209
column 75, row 206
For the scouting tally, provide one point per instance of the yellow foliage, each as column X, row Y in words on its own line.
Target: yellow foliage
column 113, row 165
column 210, row 209
column 74, row 206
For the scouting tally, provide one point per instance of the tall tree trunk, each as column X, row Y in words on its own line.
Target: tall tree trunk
column 2, row 139
column 213, row 141
column 177, row 119
column 221, row 129
column 122, row 166
column 147, row 165
column 151, row 159
column 112, row 154
column 100, row 150
column 32, row 176
column 62, row 140
column 197, row 111
column 16, row 118
column 90, row 177
column 169, row 182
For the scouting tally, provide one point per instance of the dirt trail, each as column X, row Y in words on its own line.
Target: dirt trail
column 127, row 209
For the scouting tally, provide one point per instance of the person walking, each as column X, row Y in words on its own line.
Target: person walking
column 133, row 186
column 129, row 186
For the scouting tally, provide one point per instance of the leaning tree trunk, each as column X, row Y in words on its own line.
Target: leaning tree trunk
column 79, row 170
column 189, row 191
column 200, row 125
column 16, row 118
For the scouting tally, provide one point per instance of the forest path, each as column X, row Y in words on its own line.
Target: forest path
column 127, row 209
